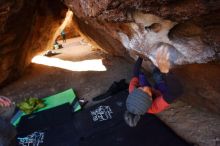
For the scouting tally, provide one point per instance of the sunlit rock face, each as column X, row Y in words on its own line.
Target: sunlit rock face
column 26, row 27
column 189, row 30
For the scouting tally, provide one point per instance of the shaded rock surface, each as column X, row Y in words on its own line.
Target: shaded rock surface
column 193, row 124
column 184, row 10
column 201, row 83
column 26, row 28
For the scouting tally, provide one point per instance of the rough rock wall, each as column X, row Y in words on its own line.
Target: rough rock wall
column 70, row 31
column 26, row 28
column 201, row 85
column 189, row 29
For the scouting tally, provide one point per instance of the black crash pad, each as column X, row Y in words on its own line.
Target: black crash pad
column 99, row 125
column 48, row 128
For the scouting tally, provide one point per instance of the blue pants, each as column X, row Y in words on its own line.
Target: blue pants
column 157, row 76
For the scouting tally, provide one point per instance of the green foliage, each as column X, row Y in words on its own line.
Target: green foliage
column 31, row 104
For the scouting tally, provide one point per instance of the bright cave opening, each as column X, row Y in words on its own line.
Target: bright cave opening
column 69, row 50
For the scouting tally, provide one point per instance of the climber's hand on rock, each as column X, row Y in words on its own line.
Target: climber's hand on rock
column 162, row 59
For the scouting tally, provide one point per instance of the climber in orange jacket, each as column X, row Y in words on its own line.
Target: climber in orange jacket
column 143, row 98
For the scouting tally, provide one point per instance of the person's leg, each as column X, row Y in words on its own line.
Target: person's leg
column 160, row 83
column 137, row 67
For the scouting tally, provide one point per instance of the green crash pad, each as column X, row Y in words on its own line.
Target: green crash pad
column 67, row 96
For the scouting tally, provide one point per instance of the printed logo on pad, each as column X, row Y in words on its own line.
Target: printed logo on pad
column 102, row 113
column 33, row 139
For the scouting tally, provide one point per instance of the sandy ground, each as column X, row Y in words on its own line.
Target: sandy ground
column 199, row 127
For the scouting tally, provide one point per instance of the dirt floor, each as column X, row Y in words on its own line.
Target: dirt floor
column 199, row 127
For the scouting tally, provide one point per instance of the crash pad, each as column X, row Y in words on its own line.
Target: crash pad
column 67, row 96
column 98, row 125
